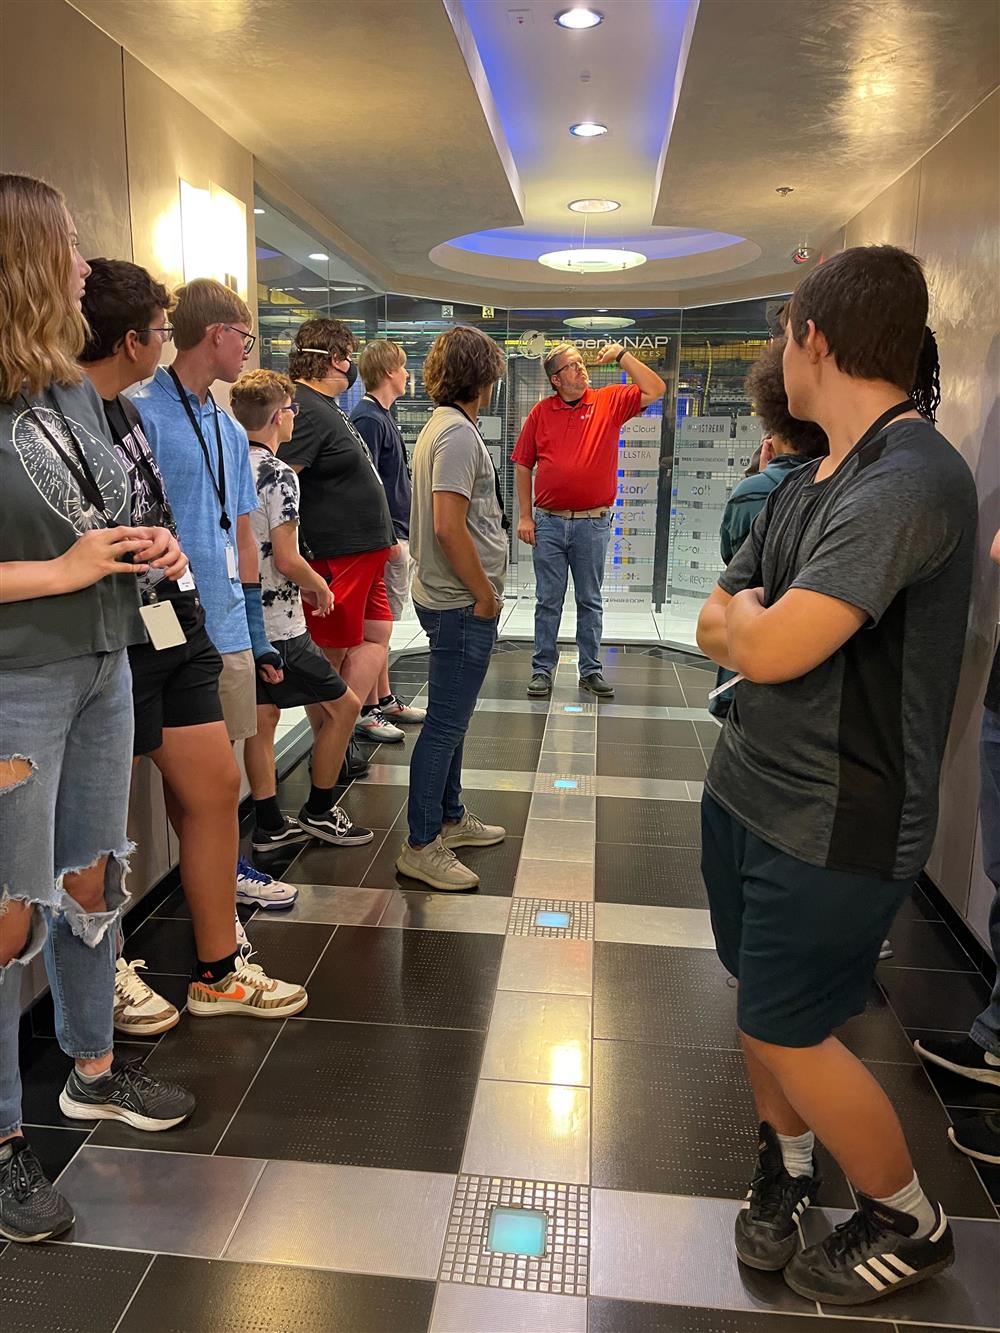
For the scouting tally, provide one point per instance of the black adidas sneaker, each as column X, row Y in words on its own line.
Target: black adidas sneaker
column 871, row 1255
column 767, row 1227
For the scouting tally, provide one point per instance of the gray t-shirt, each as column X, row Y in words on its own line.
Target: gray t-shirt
column 43, row 512
column 449, row 455
column 840, row 767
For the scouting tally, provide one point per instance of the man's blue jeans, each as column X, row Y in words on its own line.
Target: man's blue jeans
column 986, row 1028
column 562, row 545
column 461, row 645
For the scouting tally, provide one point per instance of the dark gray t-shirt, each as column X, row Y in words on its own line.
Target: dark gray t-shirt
column 840, row 766
column 42, row 513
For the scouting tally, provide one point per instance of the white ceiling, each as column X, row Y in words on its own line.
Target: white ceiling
column 410, row 123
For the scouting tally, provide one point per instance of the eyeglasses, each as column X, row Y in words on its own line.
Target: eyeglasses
column 569, row 365
column 248, row 338
column 165, row 331
column 292, row 407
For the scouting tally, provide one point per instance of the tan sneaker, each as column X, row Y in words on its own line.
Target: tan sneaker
column 437, row 866
column 470, row 831
column 246, row 990
column 139, row 1011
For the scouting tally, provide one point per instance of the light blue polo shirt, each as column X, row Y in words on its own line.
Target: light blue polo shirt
column 193, row 499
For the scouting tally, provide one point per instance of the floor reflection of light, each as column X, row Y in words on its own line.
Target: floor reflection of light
column 566, row 1063
column 563, row 1119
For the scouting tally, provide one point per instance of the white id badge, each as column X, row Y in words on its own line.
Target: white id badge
column 186, row 582
column 162, row 626
column 230, row 560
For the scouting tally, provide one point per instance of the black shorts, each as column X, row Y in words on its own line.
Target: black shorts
column 175, row 687
column 802, row 940
column 308, row 677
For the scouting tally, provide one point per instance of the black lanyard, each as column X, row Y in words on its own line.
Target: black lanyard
column 137, row 453
column 218, row 483
column 504, row 520
column 78, row 468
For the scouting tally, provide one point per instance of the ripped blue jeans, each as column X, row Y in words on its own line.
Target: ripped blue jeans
column 70, row 725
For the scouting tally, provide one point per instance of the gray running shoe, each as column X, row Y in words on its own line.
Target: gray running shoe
column 127, row 1093
column 31, row 1208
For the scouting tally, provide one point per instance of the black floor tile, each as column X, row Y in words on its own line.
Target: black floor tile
column 426, row 978
column 166, row 943
column 659, row 823
column 495, row 866
column 69, row 1289
column 989, row 1174
column 54, row 1147
column 530, row 725
column 954, row 1090
column 918, row 907
column 945, row 1174
column 877, row 1034
column 686, row 1124
column 509, row 809
column 649, row 876
column 319, row 863
column 362, row 1094
column 275, row 862
column 216, row 1059
column 928, row 944
column 617, row 760
column 374, row 805
column 655, row 696
column 670, row 997
column 643, row 731
column 947, row 1001
column 696, row 692
column 223, row 1297
column 288, row 950
column 607, row 1316
column 176, row 906
column 508, row 686
column 513, row 753
column 708, row 733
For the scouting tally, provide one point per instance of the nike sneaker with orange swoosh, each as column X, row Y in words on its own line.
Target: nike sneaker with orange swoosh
column 246, row 990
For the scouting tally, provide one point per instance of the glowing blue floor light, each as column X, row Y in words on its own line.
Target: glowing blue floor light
column 557, row 920
column 566, row 784
column 517, row 1231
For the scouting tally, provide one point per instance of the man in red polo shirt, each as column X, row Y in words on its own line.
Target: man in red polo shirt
column 573, row 439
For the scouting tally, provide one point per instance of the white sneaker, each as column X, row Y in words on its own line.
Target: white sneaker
column 254, row 886
column 396, row 711
column 373, row 727
column 470, row 831
column 435, row 865
column 139, row 1011
column 246, row 990
column 886, row 951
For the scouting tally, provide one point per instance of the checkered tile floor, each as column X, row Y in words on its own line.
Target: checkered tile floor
column 460, row 1054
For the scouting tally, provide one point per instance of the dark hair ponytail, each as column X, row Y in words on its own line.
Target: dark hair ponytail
column 926, row 392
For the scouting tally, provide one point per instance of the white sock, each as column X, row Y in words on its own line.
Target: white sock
column 911, row 1199
column 797, row 1152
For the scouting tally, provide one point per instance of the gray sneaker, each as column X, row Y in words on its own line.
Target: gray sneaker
column 540, row 686
column 31, row 1208
column 437, row 866
column 470, row 831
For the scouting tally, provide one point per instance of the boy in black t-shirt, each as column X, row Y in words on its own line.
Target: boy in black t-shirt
column 178, row 716
column 845, row 612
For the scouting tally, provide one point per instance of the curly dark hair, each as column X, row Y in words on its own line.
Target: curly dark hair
column 332, row 335
column 119, row 296
column 461, row 364
column 766, row 389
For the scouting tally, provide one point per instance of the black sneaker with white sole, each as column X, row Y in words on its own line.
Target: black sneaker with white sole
column 961, row 1055
column 31, row 1208
column 334, row 826
column 266, row 839
column 978, row 1136
column 871, row 1255
column 127, row 1093
column 767, row 1227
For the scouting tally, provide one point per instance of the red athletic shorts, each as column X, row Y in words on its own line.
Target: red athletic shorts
column 359, row 595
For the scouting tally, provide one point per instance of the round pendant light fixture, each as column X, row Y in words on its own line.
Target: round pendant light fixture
column 318, row 255
column 580, row 18
column 599, row 322
column 593, row 205
column 588, row 260
column 588, row 129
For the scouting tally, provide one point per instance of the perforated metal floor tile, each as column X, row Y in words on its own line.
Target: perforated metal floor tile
column 524, row 912
column 618, row 759
column 648, row 875
column 662, row 823
column 562, row 1269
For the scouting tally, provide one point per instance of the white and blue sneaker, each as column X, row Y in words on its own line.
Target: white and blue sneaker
column 262, row 890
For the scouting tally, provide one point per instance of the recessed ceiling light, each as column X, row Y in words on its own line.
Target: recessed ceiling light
column 599, row 322
column 592, row 260
column 318, row 254
column 258, row 210
column 579, row 18
column 588, row 129
column 593, row 205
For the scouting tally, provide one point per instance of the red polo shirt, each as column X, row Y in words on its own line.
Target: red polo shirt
column 576, row 448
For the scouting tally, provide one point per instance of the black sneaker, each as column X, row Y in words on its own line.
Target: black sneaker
column 596, row 684
column 31, row 1208
column 871, row 1255
column 265, row 839
column 335, row 826
column 978, row 1136
column 355, row 765
column 539, row 686
column 127, row 1093
column 961, row 1055
column 767, row 1227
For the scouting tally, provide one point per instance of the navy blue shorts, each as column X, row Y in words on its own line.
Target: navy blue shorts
column 802, row 941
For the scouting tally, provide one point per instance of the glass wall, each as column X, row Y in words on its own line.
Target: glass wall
column 678, row 461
